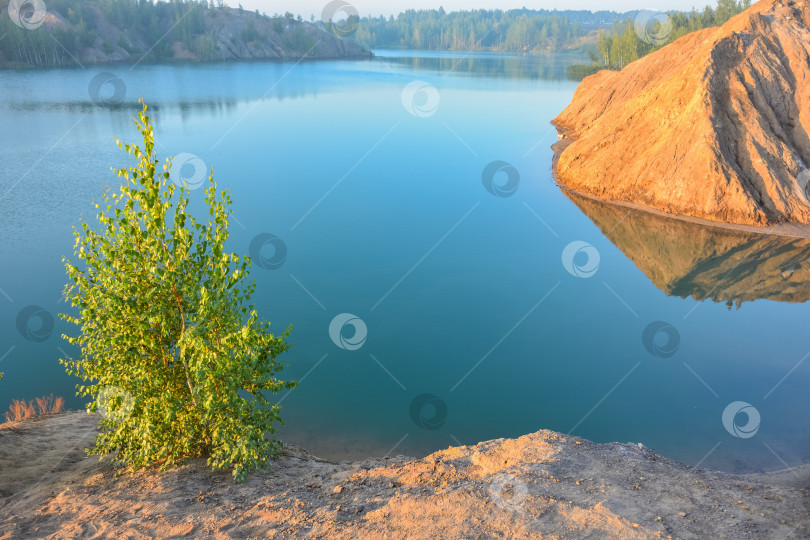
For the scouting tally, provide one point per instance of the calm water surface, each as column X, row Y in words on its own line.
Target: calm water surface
column 480, row 323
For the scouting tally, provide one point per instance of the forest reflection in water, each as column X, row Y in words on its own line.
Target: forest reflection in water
column 483, row 64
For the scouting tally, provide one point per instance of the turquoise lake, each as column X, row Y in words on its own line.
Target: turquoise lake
column 408, row 203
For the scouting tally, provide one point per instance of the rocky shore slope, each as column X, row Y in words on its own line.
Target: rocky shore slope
column 714, row 126
column 61, row 37
column 541, row 485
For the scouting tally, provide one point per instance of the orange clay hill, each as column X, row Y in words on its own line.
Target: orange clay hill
column 713, row 126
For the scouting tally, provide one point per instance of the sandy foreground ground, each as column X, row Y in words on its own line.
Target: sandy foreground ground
column 542, row 485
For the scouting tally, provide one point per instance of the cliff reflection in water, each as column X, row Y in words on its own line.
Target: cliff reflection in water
column 688, row 259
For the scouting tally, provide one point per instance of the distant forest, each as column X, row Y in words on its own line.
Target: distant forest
column 629, row 40
column 141, row 27
column 146, row 20
column 491, row 30
column 612, row 39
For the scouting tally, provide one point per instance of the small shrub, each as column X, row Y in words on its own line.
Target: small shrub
column 578, row 72
column 171, row 349
column 299, row 41
column 250, row 33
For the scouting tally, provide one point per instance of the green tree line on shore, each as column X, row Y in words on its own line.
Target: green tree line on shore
column 184, row 21
column 150, row 28
column 629, row 40
column 493, row 30
column 139, row 27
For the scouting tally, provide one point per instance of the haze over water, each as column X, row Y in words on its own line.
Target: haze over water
column 480, row 323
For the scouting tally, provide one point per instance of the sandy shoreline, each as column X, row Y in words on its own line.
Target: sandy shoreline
column 543, row 484
column 792, row 230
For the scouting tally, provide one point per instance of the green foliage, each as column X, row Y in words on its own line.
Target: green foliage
column 206, row 46
column 145, row 26
column 580, row 71
column 171, row 349
column 622, row 45
column 250, row 34
column 299, row 41
column 726, row 9
column 496, row 30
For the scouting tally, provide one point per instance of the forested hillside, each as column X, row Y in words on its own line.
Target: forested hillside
column 493, row 30
column 72, row 32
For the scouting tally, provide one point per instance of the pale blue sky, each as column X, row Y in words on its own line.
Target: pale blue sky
column 377, row 7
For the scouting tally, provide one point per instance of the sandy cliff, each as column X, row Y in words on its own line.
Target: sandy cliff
column 713, row 126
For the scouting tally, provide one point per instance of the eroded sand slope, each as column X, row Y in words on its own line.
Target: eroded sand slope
column 713, row 126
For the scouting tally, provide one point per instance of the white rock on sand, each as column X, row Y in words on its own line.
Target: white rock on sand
column 540, row 485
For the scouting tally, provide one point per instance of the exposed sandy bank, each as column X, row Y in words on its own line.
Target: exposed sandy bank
column 791, row 230
column 541, row 485
column 713, row 126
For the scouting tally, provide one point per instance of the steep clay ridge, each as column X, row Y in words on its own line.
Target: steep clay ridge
column 713, row 126
column 688, row 259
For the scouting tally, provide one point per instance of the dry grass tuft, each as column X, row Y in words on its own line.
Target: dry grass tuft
column 20, row 410
column 50, row 405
